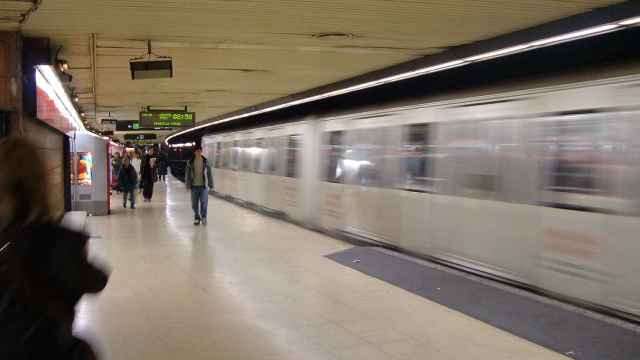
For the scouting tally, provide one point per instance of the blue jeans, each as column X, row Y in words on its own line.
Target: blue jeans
column 131, row 195
column 199, row 201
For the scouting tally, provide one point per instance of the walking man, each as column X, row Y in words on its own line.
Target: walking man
column 128, row 181
column 199, row 180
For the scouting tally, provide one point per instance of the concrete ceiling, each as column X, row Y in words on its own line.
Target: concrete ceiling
column 232, row 54
column 14, row 12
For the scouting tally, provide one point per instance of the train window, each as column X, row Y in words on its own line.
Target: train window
column 418, row 158
column 293, row 154
column 471, row 160
column 583, row 158
column 333, row 155
column 364, row 161
column 276, row 156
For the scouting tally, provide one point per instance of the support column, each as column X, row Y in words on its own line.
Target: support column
column 11, row 79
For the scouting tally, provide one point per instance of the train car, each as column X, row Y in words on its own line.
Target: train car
column 539, row 187
column 271, row 168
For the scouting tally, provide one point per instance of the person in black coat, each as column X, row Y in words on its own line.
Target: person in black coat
column 128, row 181
column 44, row 269
column 148, row 174
column 163, row 165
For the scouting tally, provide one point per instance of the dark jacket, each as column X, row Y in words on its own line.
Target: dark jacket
column 44, row 271
column 163, row 163
column 190, row 173
column 147, row 172
column 127, row 178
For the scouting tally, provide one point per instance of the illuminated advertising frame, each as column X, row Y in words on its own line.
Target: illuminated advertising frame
column 84, row 166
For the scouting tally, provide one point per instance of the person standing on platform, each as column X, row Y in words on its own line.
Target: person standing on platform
column 128, row 181
column 162, row 166
column 148, row 174
column 44, row 269
column 198, row 179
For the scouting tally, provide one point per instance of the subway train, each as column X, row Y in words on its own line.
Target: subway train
column 538, row 187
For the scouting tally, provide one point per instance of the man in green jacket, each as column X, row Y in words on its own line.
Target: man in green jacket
column 199, row 180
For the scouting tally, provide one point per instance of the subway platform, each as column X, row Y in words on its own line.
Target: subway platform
column 248, row 286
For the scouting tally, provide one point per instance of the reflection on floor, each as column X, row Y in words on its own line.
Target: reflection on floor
column 251, row 287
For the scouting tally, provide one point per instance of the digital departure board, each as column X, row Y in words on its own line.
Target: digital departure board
column 167, row 119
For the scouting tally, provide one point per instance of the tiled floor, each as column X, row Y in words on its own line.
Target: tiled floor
column 251, row 287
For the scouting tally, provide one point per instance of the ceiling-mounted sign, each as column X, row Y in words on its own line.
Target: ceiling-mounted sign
column 128, row 125
column 167, row 119
column 109, row 124
column 140, row 137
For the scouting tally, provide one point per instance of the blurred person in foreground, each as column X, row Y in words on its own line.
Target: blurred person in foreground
column 128, row 181
column 44, row 270
column 198, row 179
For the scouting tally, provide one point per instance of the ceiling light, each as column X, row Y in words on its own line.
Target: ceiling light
column 83, row 114
column 63, row 65
column 76, row 99
column 575, row 35
column 497, row 53
column 632, row 21
column 54, row 85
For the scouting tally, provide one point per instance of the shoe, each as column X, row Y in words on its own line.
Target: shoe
column 204, row 221
column 133, row 207
column 124, row 205
column 196, row 222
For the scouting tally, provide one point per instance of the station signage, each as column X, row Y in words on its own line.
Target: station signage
column 109, row 124
column 157, row 119
column 128, row 125
column 140, row 137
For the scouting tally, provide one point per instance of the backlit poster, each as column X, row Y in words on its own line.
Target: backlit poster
column 84, row 163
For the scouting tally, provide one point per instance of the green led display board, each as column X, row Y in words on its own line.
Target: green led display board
column 167, row 119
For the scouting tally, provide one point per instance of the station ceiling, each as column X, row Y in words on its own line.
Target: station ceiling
column 228, row 55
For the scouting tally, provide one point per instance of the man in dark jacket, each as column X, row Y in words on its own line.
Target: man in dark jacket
column 128, row 181
column 198, row 179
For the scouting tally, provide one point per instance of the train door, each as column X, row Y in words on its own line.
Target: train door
column 233, row 182
column 415, row 184
column 584, row 160
column 258, row 186
column 332, row 175
column 291, row 181
column 367, row 179
column 276, row 171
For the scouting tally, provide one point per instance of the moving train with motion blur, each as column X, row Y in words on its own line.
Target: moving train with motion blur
column 539, row 187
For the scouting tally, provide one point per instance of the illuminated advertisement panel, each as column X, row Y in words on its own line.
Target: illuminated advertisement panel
column 51, row 107
column 84, row 164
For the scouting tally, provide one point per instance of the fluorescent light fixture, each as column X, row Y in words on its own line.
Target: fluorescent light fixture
column 632, row 21
column 498, row 53
column 56, row 91
column 574, row 35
